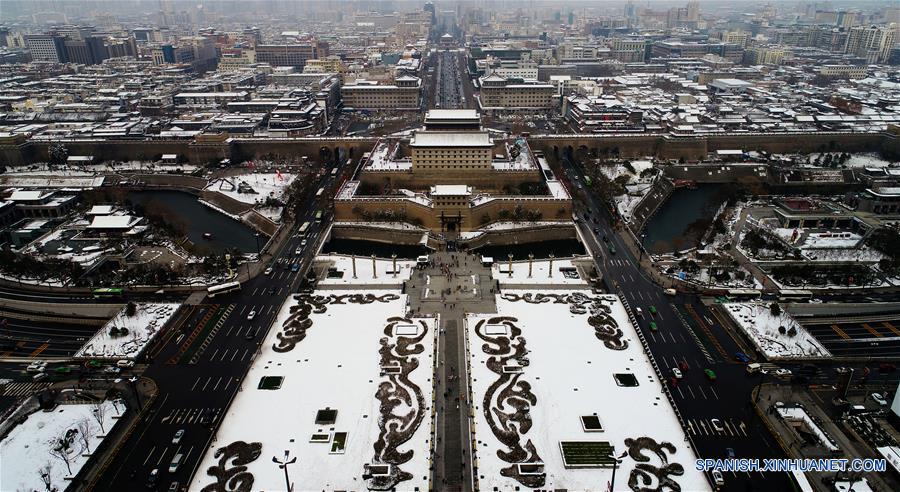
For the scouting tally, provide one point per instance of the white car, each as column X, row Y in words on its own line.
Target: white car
column 125, row 364
column 782, row 373
column 178, row 435
column 268, row 271
column 251, row 315
column 677, row 373
column 718, row 478
column 879, row 399
column 717, row 425
column 36, row 366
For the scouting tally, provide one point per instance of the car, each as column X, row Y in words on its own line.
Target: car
column 718, row 478
column 652, row 309
column 639, row 312
column 152, row 478
column 177, row 437
column 39, row 377
column 596, row 230
column 298, row 251
column 879, row 399
column 125, row 364
column 176, row 463
column 887, row 367
column 303, row 243
column 710, row 374
column 782, row 372
column 63, row 370
column 652, row 326
column 683, row 365
column 112, row 370
column 267, row 271
column 677, row 373
column 295, row 267
column 742, row 357
column 251, row 315
column 612, row 249
column 730, row 452
column 671, row 292
column 206, row 417
column 36, row 366
column 174, row 486
column 716, row 424
column 605, row 239
column 249, row 335
column 271, row 291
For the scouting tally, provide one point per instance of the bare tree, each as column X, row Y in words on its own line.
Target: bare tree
column 85, row 433
column 99, row 413
column 60, row 449
column 44, row 472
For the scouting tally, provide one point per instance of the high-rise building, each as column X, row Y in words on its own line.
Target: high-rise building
column 46, row 47
column 88, row 50
column 873, row 43
column 290, row 55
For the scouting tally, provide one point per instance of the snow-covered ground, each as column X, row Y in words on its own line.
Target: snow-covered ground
column 337, row 365
column 383, row 273
column 26, row 449
column 265, row 185
column 570, row 373
column 540, row 272
column 143, row 327
column 761, row 326
column 626, row 203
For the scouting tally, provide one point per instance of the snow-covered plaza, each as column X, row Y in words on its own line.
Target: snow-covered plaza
column 777, row 336
column 111, row 341
column 343, row 382
column 568, row 387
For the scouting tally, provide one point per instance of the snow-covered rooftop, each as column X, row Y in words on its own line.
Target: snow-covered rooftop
column 451, row 139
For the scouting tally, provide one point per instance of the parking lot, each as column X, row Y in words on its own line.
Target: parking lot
column 855, row 337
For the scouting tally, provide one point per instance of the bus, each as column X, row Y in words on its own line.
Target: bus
column 793, row 295
column 319, row 193
column 743, row 294
column 107, row 292
column 223, row 288
column 319, row 216
column 303, row 228
column 587, row 180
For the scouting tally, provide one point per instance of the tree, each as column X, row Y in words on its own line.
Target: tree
column 130, row 309
column 792, row 331
column 63, row 443
column 44, row 472
column 85, row 433
column 775, row 309
column 99, row 414
column 58, row 153
column 782, row 330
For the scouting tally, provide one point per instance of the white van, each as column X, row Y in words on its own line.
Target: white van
column 671, row 292
column 176, row 462
column 753, row 368
column 640, row 314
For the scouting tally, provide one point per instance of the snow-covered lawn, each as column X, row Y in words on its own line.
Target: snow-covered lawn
column 571, row 374
column 336, row 365
column 540, row 272
column 761, row 326
column 383, row 273
column 265, row 185
column 26, row 449
column 143, row 327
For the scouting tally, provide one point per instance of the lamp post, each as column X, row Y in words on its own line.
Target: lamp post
column 137, row 395
column 550, row 274
column 353, row 260
column 641, row 257
column 256, row 236
column 283, row 465
column 616, row 461
column 509, row 265
column 530, row 260
column 394, row 260
column 374, row 269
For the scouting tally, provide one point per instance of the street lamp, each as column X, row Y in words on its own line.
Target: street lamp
column 616, row 461
column 643, row 235
column 283, row 465
column 256, row 236
column 137, row 395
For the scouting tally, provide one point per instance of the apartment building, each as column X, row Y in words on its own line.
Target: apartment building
column 404, row 93
column 499, row 92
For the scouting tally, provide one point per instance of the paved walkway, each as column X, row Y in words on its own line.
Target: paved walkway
column 453, row 285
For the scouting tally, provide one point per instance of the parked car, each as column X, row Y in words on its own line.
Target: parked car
column 639, row 312
column 671, row 292
column 718, row 478
column 178, row 435
column 710, row 374
column 717, row 425
column 683, row 365
column 125, row 364
column 730, row 452
column 36, row 366
column 112, row 370
column 652, row 326
column 251, row 315
column 742, row 357
column 176, row 463
column 39, row 377
column 652, row 309
column 782, row 372
column 174, row 486
column 677, row 373
column 267, row 271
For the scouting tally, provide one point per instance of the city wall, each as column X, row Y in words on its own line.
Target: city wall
column 213, row 148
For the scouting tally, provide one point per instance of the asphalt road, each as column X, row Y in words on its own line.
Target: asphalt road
column 35, row 338
column 187, row 391
column 718, row 413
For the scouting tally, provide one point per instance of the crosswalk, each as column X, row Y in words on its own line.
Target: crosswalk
column 185, row 416
column 22, row 389
column 725, row 427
